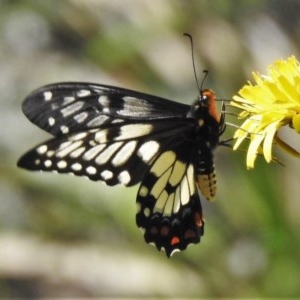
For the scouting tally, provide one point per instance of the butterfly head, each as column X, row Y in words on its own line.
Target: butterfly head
column 207, row 101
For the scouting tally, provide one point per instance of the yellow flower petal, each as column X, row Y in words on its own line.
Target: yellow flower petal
column 252, row 150
column 248, row 126
column 272, row 102
column 267, row 145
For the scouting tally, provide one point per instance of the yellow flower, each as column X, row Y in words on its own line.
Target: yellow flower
column 272, row 102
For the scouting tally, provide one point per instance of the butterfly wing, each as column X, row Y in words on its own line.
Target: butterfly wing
column 62, row 108
column 169, row 207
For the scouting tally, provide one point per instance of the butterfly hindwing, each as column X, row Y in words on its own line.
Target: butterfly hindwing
column 169, row 207
column 62, row 108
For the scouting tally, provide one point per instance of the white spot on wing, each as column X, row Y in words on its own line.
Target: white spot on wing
column 97, row 121
column 190, row 178
column 91, row 153
column 51, row 121
column 98, row 89
column 148, row 150
column 78, row 136
column 69, row 148
column 100, row 136
column 48, row 95
column 93, row 143
column 62, row 164
column 64, row 129
column 124, row 177
column 134, row 107
column 104, row 100
column 50, row 153
column 77, row 152
column 106, row 110
column 185, row 195
column 81, row 117
column 72, row 108
column 133, row 101
column 124, row 153
column 177, row 202
column 132, row 131
column 64, row 145
column 76, row 167
column 83, row 93
column 48, row 163
column 107, row 153
column 67, row 100
column 117, row 121
column 42, row 149
column 106, row 174
column 91, row 170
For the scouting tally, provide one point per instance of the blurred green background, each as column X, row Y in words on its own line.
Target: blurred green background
column 62, row 236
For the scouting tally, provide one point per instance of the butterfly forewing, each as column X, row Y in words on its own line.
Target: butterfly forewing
column 69, row 107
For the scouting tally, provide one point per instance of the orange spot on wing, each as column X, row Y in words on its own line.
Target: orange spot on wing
column 175, row 240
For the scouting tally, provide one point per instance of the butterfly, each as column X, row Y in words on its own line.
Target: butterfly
column 120, row 136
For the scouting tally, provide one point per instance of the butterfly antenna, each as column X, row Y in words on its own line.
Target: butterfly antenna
column 193, row 61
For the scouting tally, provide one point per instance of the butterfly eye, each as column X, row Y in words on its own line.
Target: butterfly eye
column 204, row 100
column 207, row 96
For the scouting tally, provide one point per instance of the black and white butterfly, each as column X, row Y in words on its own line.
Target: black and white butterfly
column 124, row 137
